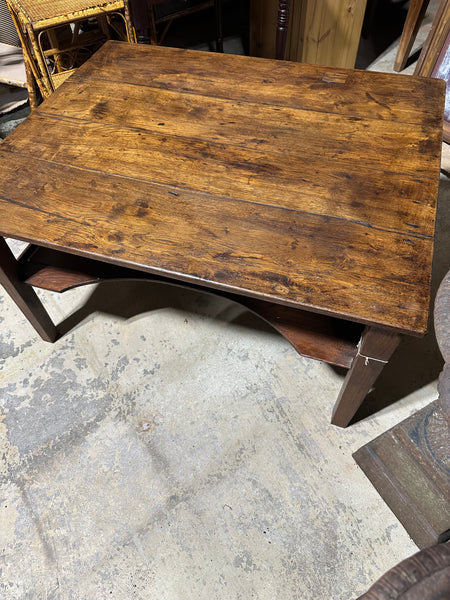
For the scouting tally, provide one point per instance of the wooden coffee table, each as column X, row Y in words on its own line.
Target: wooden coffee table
column 306, row 193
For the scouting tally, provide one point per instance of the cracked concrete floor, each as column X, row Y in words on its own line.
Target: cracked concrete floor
column 173, row 446
column 181, row 453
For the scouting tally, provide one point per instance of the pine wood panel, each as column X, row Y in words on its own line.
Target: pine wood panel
column 235, row 187
column 324, row 32
column 330, row 31
column 12, row 66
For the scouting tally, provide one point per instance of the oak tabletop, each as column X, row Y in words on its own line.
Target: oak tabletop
column 307, row 186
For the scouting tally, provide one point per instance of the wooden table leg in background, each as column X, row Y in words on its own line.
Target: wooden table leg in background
column 374, row 351
column 140, row 11
column 24, row 295
column 414, row 18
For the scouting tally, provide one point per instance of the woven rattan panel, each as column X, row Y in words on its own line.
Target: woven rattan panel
column 8, row 33
column 40, row 10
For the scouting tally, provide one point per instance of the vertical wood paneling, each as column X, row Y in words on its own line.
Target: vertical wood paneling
column 324, row 32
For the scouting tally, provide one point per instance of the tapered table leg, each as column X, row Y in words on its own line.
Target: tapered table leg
column 414, row 18
column 141, row 19
column 24, row 295
column 374, row 351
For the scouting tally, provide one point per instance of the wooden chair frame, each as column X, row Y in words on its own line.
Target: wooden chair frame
column 434, row 51
column 414, row 18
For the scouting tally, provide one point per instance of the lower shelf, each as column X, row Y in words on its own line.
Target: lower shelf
column 325, row 338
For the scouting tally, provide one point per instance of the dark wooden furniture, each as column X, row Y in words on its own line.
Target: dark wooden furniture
column 423, row 576
column 409, row 466
column 282, row 28
column 306, row 193
column 146, row 18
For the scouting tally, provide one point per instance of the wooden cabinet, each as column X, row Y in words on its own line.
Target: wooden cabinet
column 324, row 32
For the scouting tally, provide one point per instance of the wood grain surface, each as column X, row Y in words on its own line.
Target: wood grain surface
column 309, row 187
column 323, row 32
column 328, row 32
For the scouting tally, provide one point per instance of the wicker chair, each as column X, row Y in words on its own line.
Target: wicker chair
column 57, row 35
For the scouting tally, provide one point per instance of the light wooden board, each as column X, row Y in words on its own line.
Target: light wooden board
column 12, row 68
column 323, row 32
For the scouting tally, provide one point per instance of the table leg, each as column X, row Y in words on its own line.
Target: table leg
column 374, row 351
column 24, row 295
column 141, row 18
column 414, row 18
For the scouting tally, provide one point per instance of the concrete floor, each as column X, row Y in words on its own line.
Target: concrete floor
column 172, row 446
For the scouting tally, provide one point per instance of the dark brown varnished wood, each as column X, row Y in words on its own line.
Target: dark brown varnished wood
column 213, row 120
column 423, row 576
column 23, row 295
column 331, row 340
column 282, row 28
column 374, row 351
column 409, row 466
column 325, row 338
column 300, row 189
